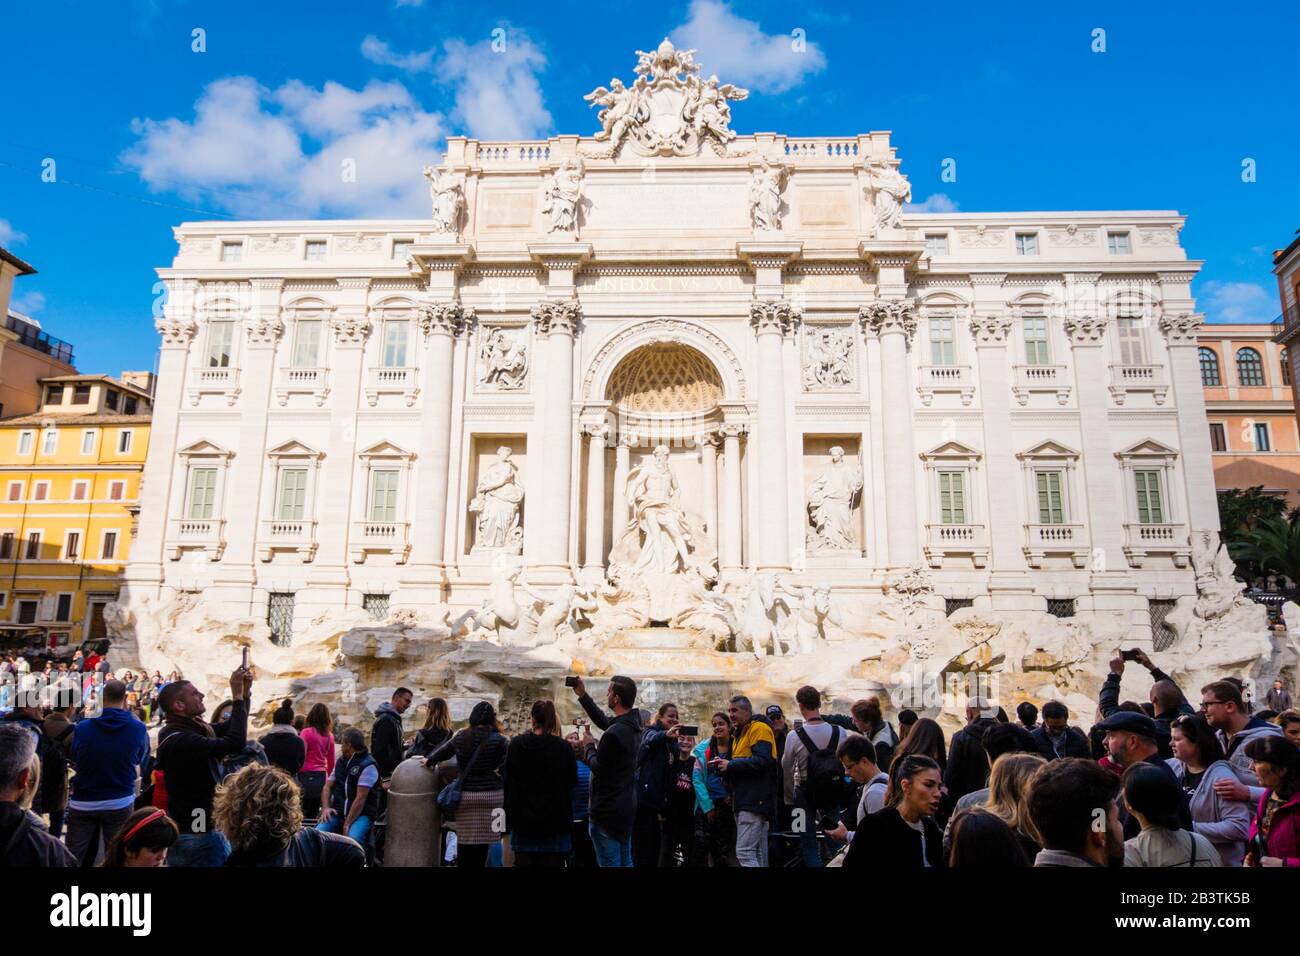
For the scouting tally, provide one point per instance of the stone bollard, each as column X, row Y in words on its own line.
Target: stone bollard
column 413, row 819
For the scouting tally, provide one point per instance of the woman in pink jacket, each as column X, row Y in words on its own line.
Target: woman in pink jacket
column 1275, row 831
column 318, row 736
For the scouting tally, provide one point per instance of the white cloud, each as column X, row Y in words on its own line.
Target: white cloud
column 497, row 94
column 935, row 202
column 9, row 236
column 1238, row 302
column 29, row 303
column 377, row 51
column 738, row 51
column 261, row 152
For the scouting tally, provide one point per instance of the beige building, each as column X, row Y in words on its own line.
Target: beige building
column 27, row 353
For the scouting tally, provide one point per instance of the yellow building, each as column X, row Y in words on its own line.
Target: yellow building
column 69, row 497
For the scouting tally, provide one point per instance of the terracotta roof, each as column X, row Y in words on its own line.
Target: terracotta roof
column 45, row 418
column 116, row 383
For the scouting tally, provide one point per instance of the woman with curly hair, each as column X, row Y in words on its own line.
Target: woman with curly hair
column 259, row 810
column 144, row 840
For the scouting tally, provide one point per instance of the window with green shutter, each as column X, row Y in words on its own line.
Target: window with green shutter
column 1150, row 506
column 293, row 494
column 383, row 496
column 1051, row 503
column 952, row 497
column 203, row 492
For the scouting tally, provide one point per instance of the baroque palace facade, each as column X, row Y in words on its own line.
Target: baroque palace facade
column 1004, row 407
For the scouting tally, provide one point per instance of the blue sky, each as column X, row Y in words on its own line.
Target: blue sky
column 146, row 133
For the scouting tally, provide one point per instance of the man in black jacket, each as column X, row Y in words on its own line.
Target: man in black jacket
column 386, row 732
column 1167, row 699
column 190, row 752
column 1056, row 738
column 1131, row 738
column 968, row 761
column 24, row 841
column 612, row 762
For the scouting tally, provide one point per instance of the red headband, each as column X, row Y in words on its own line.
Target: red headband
column 151, row 818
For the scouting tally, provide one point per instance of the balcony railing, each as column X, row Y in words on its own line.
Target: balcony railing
column 957, row 540
column 957, row 379
column 1168, row 538
column 1068, row 539
column 380, row 537
column 303, row 381
column 1027, row 379
column 221, row 380
column 286, row 535
column 31, row 336
column 196, row 534
column 1138, row 378
column 392, row 380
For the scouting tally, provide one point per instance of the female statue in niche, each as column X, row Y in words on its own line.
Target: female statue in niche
column 496, row 506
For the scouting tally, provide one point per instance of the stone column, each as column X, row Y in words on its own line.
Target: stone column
column 177, row 328
column 442, row 323
column 1009, row 569
column 730, row 553
column 548, row 512
column 593, row 562
column 772, row 320
column 622, row 465
column 708, row 443
column 893, row 322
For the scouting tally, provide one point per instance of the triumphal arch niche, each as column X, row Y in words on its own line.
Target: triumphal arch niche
column 714, row 409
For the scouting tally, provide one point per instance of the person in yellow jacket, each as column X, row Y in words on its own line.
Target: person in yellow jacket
column 751, row 771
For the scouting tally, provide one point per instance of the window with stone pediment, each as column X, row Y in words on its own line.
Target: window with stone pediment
column 953, row 465
column 206, row 465
column 1149, row 471
column 386, row 476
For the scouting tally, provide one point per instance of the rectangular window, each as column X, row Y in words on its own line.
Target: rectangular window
column 306, row 343
column 1218, row 437
column 1036, row 350
column 1117, row 243
column 50, row 442
column 81, row 395
column 6, row 546
column 129, row 406
column 293, row 494
column 1132, row 344
column 315, row 251
column 376, row 605
column 25, row 440
column 40, row 491
column 1060, row 607
column 203, row 492
column 72, row 547
column 1026, row 243
column 1051, row 504
column 88, row 443
column 383, row 495
column 124, row 441
column 952, row 497
column 27, row 612
column 1150, row 503
column 232, row 251
column 937, row 245
column 395, row 335
column 401, row 249
column 63, row 608
column 1261, row 437
column 116, row 490
column 33, row 545
column 109, row 551
column 54, row 395
column 110, row 399
column 943, row 348
column 279, row 615
column 221, row 343
column 15, row 491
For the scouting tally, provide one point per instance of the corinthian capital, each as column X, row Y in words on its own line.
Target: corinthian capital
column 351, row 328
column 990, row 329
column 1180, row 329
column 773, row 315
column 560, row 316
column 1085, row 329
column 444, row 318
column 891, row 315
column 263, row 330
column 176, row 333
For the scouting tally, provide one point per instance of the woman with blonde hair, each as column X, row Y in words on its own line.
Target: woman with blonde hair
column 436, row 730
column 1008, row 787
column 259, row 810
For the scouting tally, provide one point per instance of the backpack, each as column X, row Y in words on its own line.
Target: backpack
column 824, row 784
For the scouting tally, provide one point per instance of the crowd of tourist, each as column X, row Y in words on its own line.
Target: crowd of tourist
column 1161, row 783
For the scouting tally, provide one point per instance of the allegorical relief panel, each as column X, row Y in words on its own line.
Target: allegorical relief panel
column 828, row 358
column 503, row 358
